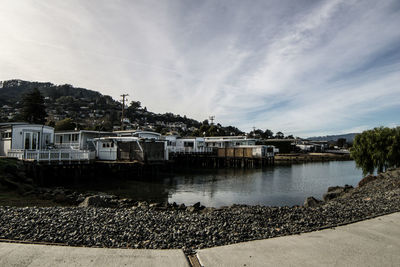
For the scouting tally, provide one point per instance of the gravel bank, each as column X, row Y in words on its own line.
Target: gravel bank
column 146, row 227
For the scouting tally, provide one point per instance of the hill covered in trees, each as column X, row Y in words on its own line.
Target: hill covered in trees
column 88, row 109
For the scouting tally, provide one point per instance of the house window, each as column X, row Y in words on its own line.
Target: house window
column 104, row 145
column 6, row 135
column 74, row 137
column 188, row 144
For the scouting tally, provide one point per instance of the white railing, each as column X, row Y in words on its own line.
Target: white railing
column 51, row 155
column 68, row 145
column 188, row 150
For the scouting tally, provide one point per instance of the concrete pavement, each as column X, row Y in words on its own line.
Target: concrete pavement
column 12, row 254
column 375, row 242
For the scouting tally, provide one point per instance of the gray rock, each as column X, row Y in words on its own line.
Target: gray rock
column 190, row 209
column 311, row 202
column 197, row 205
column 97, row 201
column 336, row 191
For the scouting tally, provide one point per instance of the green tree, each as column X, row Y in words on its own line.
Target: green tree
column 33, row 108
column 65, row 125
column 279, row 135
column 377, row 149
column 268, row 134
column 341, row 142
column 394, row 150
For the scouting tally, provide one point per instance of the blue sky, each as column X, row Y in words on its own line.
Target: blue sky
column 302, row 67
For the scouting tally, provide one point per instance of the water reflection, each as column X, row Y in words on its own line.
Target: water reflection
column 274, row 186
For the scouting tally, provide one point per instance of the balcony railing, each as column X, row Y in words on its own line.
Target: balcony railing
column 67, row 145
column 52, row 155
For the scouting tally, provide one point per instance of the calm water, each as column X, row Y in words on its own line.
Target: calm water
column 274, row 186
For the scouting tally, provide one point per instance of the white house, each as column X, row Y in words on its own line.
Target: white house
column 130, row 148
column 82, row 139
column 228, row 141
column 24, row 136
column 35, row 142
column 177, row 144
column 138, row 133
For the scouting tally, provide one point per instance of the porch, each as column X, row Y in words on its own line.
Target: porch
column 52, row 155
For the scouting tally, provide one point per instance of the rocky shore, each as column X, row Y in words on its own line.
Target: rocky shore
column 107, row 221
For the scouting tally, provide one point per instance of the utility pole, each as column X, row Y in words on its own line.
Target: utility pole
column 212, row 119
column 123, row 110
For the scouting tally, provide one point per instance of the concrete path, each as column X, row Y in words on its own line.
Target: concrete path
column 12, row 254
column 374, row 242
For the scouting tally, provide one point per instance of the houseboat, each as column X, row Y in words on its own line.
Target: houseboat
column 129, row 148
column 176, row 144
column 35, row 142
column 228, row 141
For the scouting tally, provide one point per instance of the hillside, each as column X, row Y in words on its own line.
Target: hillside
column 92, row 110
column 349, row 137
column 12, row 90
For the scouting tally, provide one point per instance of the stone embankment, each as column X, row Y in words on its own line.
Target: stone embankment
column 106, row 221
column 309, row 157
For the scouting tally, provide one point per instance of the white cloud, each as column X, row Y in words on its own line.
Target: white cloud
column 299, row 67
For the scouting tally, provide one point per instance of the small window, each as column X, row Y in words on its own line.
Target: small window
column 74, row 137
column 112, row 144
column 104, row 145
column 108, row 144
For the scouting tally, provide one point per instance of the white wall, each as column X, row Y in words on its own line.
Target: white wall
column 108, row 152
column 5, row 145
column 148, row 135
column 18, row 134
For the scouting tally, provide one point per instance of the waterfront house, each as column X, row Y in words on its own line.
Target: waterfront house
column 24, row 136
column 176, row 144
column 228, row 141
column 78, row 139
column 139, row 134
column 35, row 142
column 253, row 151
column 130, row 148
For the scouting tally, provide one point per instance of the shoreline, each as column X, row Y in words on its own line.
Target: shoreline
column 143, row 225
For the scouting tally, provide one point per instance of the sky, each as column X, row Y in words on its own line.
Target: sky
column 303, row 67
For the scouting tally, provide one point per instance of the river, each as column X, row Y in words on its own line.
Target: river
column 281, row 185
